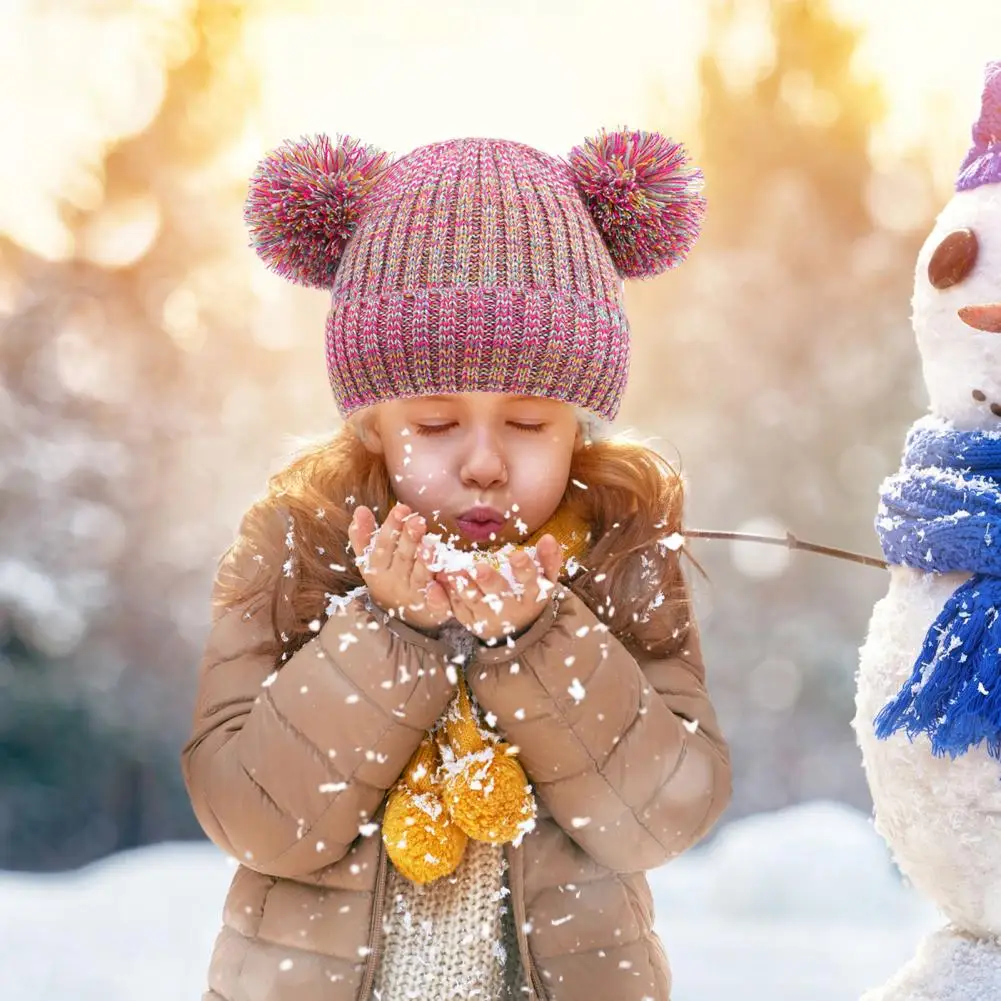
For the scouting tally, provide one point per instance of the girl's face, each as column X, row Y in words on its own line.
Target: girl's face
column 462, row 459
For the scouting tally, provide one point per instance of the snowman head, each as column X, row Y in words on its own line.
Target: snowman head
column 957, row 283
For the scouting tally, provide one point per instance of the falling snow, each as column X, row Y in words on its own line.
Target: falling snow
column 672, row 542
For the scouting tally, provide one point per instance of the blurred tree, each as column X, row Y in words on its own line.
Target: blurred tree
column 788, row 359
column 803, row 110
column 110, row 414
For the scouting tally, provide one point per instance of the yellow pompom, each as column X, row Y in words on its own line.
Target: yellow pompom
column 486, row 789
column 489, row 797
column 421, row 839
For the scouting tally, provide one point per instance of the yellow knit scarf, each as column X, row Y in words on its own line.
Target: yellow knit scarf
column 463, row 781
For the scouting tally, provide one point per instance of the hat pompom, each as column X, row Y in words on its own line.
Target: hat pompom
column 644, row 195
column 304, row 201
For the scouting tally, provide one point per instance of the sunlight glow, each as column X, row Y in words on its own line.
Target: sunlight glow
column 398, row 75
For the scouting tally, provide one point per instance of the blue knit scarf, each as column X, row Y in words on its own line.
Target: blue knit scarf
column 942, row 512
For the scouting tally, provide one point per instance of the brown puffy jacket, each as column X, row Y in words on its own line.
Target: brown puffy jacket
column 287, row 773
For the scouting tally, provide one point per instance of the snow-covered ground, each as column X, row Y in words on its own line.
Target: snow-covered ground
column 802, row 903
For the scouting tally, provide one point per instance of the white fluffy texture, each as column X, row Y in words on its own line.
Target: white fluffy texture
column 593, row 427
column 786, row 937
column 446, row 558
column 948, row 967
column 940, row 816
column 956, row 359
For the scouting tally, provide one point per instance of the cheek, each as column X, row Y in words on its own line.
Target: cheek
column 419, row 477
column 542, row 474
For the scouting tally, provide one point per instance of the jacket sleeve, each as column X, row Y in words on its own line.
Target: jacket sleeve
column 284, row 769
column 626, row 755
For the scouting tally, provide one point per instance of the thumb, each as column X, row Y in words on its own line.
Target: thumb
column 550, row 554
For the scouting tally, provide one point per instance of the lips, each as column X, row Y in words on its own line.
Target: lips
column 983, row 317
column 483, row 514
column 479, row 523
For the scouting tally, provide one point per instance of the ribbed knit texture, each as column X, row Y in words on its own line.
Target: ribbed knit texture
column 453, row 939
column 983, row 162
column 477, row 267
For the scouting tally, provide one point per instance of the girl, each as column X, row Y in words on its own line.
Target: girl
column 444, row 781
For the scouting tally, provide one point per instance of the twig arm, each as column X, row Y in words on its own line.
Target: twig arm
column 789, row 541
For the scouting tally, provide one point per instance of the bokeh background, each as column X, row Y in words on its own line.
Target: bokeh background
column 152, row 373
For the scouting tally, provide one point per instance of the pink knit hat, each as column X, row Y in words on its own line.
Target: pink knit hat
column 476, row 264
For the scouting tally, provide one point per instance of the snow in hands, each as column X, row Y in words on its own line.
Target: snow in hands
column 426, row 579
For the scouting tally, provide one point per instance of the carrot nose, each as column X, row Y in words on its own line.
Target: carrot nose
column 983, row 317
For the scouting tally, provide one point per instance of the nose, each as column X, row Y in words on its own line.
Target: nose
column 484, row 464
column 984, row 317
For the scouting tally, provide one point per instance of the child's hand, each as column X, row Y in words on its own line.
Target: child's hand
column 395, row 572
column 487, row 607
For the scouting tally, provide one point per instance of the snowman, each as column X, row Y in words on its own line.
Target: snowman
column 928, row 703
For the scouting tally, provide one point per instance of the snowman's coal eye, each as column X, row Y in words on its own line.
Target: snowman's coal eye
column 953, row 259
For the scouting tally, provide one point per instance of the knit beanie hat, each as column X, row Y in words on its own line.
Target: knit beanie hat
column 476, row 264
column 983, row 161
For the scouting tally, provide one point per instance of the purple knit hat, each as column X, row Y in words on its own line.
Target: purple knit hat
column 476, row 264
column 983, row 163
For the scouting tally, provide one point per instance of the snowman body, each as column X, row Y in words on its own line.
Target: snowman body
column 941, row 815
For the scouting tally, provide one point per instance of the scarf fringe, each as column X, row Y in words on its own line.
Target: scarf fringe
column 953, row 695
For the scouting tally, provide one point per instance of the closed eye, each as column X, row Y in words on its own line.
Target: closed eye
column 433, row 429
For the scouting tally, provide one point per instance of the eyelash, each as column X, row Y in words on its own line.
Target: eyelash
column 433, row 429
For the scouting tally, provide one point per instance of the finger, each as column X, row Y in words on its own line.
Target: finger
column 456, row 599
column 431, row 594
column 421, row 575
column 438, row 600
column 467, row 593
column 488, row 580
column 360, row 530
column 526, row 573
column 550, row 554
column 385, row 540
column 489, row 590
column 466, row 586
column 532, row 573
column 459, row 589
column 411, row 532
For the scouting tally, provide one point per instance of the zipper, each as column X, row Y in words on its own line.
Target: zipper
column 533, row 977
column 516, row 870
column 375, row 932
